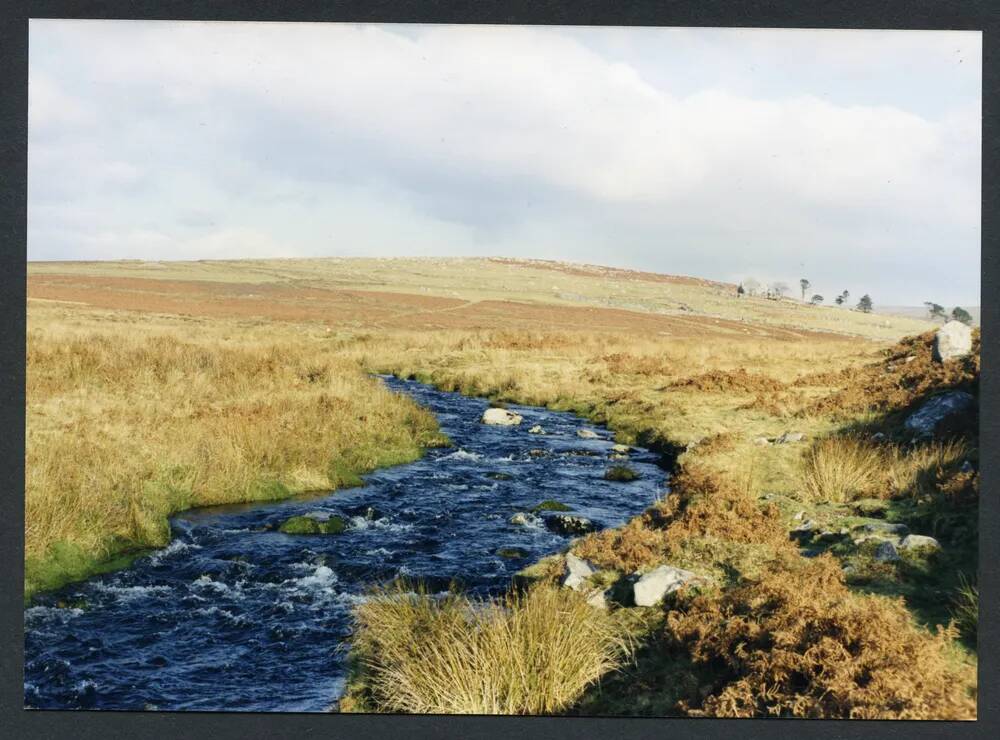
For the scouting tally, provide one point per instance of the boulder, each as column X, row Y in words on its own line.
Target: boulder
column 953, row 340
column 916, row 541
column 501, row 417
column 587, row 434
column 568, row 524
column 512, row 553
column 550, row 505
column 621, row 449
column 926, row 419
column 578, row 570
column 598, row 599
column 657, row 583
column 886, row 552
column 762, row 441
column 537, row 429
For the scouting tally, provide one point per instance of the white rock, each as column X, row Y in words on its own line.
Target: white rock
column 659, row 582
column 598, row 599
column 524, row 519
column 578, row 570
column 914, row 541
column 788, row 437
column 953, row 340
column 762, row 441
column 501, row 417
column 620, row 449
column 537, row 429
column 587, row 434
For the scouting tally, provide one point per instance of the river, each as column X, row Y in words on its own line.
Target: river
column 236, row 616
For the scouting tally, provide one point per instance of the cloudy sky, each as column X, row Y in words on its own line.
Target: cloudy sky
column 851, row 158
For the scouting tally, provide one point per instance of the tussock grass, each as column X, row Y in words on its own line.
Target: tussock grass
column 131, row 420
column 965, row 609
column 529, row 653
column 842, row 469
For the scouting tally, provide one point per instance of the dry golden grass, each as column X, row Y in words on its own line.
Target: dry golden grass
column 530, row 653
column 129, row 422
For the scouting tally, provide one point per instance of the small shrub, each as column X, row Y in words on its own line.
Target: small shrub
column 529, row 653
column 842, row 469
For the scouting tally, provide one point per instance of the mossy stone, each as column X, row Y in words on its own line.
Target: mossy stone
column 620, row 474
column 308, row 525
column 551, row 505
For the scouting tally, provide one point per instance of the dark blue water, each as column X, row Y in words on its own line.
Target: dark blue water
column 234, row 616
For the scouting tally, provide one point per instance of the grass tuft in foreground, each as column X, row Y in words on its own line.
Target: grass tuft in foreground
column 529, row 653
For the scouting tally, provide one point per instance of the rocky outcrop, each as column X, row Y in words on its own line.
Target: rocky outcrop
column 501, row 418
column 925, row 420
column 952, row 341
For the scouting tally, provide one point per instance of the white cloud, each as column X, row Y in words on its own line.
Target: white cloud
column 541, row 125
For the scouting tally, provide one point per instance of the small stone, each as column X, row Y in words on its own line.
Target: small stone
column 916, row 541
column 587, row 434
column 621, row 449
column 598, row 599
column 798, row 517
column 886, row 552
column 878, row 437
column 762, row 442
column 537, row 429
column 568, row 524
column 789, row 437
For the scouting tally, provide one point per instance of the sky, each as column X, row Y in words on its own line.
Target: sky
column 850, row 158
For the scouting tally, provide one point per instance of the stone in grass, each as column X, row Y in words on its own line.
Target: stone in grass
column 537, row 429
column 917, row 541
column 501, row 417
column 311, row 525
column 789, row 437
column 578, row 571
column 551, row 505
column 620, row 474
column 587, row 434
column 926, row 419
column 512, row 553
column 762, row 442
column 886, row 552
column 657, row 583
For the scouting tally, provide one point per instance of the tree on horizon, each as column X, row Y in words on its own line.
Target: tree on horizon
column 960, row 314
column 804, row 284
column 865, row 304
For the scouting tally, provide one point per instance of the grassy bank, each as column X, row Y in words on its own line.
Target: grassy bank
column 131, row 418
column 840, row 633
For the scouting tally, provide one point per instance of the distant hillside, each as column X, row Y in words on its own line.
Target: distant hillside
column 450, row 293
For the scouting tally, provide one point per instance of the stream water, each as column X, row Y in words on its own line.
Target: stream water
column 234, row 615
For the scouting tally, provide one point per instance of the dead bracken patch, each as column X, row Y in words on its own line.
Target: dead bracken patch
column 728, row 381
column 907, row 374
column 797, row 643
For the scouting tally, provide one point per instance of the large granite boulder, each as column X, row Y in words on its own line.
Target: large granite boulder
column 953, row 340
